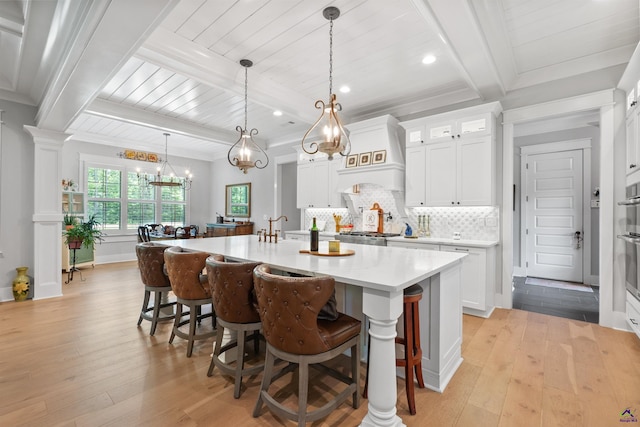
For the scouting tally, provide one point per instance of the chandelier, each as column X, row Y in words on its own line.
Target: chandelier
column 331, row 137
column 157, row 180
column 245, row 153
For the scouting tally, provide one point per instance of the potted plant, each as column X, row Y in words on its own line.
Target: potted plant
column 69, row 221
column 84, row 234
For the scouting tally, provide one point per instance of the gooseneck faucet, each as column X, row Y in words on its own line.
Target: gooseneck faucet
column 271, row 234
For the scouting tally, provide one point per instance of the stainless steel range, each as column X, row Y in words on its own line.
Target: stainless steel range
column 365, row 238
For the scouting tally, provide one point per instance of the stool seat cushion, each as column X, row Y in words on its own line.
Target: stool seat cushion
column 336, row 332
column 413, row 290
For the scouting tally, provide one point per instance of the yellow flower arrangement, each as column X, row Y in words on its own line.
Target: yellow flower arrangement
column 21, row 288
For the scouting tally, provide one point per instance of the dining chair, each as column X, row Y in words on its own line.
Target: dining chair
column 191, row 289
column 233, row 301
column 289, row 308
column 151, row 265
column 143, row 234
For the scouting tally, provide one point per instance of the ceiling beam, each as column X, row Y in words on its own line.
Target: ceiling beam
column 106, row 37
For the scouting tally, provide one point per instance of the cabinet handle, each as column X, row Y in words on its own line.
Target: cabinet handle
column 458, row 202
column 633, row 321
column 453, row 203
column 632, row 165
column 634, row 103
column 462, row 250
column 453, row 137
column 458, row 136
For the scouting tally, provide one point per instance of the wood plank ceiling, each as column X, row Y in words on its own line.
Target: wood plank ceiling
column 183, row 74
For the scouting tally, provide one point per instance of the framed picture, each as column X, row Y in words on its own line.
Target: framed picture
column 141, row 155
column 379, row 157
column 152, row 157
column 365, row 159
column 352, row 160
column 130, row 154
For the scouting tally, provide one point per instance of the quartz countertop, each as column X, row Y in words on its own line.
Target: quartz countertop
column 446, row 241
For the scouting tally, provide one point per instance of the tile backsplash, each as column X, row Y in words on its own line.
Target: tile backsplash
column 472, row 222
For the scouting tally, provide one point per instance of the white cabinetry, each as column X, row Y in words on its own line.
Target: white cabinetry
column 317, row 184
column 633, row 313
column 633, row 151
column 477, row 274
column 451, row 158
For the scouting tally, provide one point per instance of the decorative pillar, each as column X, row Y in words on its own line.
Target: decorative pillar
column 47, row 211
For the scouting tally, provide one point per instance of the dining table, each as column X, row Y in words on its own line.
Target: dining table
column 382, row 273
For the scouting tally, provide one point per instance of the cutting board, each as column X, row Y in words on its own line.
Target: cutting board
column 324, row 252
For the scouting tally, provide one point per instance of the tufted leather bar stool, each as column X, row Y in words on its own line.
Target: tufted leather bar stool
column 151, row 265
column 191, row 288
column 289, row 308
column 232, row 293
column 412, row 360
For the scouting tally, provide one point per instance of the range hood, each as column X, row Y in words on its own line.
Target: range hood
column 371, row 136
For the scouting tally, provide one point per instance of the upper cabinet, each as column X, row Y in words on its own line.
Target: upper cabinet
column 72, row 203
column 451, row 158
column 317, row 183
column 630, row 84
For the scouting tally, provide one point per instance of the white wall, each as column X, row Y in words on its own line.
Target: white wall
column 16, row 193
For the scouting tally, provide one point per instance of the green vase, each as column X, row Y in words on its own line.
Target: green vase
column 21, row 284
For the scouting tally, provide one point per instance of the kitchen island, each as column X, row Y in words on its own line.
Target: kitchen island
column 382, row 273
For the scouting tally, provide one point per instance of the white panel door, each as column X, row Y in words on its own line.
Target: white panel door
column 554, row 215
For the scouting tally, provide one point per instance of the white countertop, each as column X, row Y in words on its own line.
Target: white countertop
column 445, row 241
column 377, row 267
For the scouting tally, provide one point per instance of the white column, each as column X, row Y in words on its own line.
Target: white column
column 47, row 212
column 383, row 310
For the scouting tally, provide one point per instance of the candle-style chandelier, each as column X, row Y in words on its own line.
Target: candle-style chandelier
column 245, row 153
column 158, row 180
column 330, row 138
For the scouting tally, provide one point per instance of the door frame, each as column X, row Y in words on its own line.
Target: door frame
column 584, row 145
column 611, row 105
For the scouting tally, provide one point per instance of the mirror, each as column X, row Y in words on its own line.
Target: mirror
column 238, row 200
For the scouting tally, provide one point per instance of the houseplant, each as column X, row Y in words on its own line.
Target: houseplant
column 86, row 234
column 69, row 221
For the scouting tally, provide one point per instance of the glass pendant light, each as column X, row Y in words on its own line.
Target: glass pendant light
column 245, row 153
column 329, row 136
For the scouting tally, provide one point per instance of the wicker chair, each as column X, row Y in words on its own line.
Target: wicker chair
column 232, row 292
column 288, row 308
column 151, row 264
column 191, row 289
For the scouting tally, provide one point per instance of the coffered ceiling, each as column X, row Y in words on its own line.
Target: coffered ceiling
column 123, row 72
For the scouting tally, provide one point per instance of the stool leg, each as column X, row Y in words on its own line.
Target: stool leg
column 193, row 318
column 408, row 356
column 303, row 392
column 242, row 335
column 366, row 378
column 145, row 304
column 417, row 349
column 157, row 296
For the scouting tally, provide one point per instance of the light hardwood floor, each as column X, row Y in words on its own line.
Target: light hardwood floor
column 80, row 360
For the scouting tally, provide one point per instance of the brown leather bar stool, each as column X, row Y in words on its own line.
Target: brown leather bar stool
column 192, row 289
column 151, row 264
column 412, row 361
column 289, row 309
column 232, row 293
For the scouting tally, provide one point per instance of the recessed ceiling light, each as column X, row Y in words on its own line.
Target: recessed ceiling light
column 345, row 89
column 429, row 59
column 277, row 113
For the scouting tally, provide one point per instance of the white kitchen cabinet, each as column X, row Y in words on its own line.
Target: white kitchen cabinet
column 633, row 149
column 458, row 173
column 478, row 274
column 478, row 279
column 318, row 184
column 633, row 313
column 451, row 158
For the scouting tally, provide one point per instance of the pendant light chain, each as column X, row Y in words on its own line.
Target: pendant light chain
column 246, row 70
column 330, row 58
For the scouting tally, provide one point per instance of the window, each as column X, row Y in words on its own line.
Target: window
column 119, row 202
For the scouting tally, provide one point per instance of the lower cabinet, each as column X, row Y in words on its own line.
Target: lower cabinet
column 84, row 256
column 477, row 275
column 633, row 313
column 304, row 236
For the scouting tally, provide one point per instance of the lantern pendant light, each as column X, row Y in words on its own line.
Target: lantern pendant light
column 245, row 153
column 330, row 137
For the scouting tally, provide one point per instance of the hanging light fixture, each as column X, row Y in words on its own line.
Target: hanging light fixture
column 331, row 137
column 157, row 180
column 245, row 153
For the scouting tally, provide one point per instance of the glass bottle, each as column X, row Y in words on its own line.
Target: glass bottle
column 315, row 236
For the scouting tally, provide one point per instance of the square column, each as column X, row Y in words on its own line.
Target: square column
column 47, row 212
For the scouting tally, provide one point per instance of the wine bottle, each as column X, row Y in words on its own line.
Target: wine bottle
column 315, row 236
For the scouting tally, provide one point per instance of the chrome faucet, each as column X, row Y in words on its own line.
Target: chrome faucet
column 271, row 234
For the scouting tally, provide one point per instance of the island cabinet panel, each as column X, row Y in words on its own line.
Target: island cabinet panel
column 451, row 158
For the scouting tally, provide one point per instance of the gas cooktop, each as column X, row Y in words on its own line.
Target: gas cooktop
column 369, row 234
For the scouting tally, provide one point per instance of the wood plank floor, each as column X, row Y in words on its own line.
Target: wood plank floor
column 80, row 360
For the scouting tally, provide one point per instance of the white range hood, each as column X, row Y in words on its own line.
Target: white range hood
column 370, row 136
